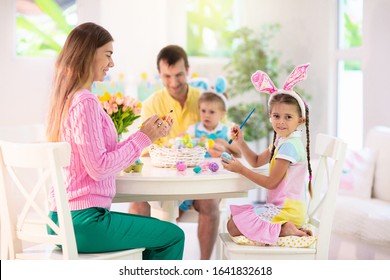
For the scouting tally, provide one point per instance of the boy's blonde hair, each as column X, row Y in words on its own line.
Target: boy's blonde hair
column 211, row 96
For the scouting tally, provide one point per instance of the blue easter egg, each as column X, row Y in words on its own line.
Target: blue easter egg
column 197, row 169
column 226, row 155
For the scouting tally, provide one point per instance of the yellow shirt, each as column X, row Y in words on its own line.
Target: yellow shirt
column 162, row 103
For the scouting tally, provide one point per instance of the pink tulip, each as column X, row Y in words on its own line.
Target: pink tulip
column 119, row 100
column 106, row 105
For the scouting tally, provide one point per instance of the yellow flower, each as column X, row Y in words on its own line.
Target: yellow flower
column 105, row 97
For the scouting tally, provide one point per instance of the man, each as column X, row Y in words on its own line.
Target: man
column 177, row 95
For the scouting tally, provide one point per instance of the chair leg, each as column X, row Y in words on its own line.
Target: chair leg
column 222, row 229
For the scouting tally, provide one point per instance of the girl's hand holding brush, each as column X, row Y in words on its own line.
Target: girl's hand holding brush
column 236, row 134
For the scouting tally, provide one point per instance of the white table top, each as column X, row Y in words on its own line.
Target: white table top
column 159, row 184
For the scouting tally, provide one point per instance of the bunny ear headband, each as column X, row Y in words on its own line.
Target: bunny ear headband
column 219, row 87
column 263, row 83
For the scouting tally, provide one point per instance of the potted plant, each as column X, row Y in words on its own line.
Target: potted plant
column 252, row 53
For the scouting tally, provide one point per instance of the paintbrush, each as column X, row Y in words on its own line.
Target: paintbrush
column 243, row 123
column 167, row 117
column 164, row 118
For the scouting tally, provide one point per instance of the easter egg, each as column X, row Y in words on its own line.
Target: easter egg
column 181, row 166
column 197, row 169
column 204, row 165
column 226, row 155
column 189, row 145
column 213, row 166
column 138, row 168
column 210, row 143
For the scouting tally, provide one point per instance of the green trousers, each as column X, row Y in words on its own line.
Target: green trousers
column 100, row 230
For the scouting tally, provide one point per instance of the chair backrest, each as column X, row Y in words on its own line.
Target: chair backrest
column 331, row 151
column 23, row 133
column 18, row 225
column 32, row 133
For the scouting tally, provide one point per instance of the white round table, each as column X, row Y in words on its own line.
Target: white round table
column 167, row 185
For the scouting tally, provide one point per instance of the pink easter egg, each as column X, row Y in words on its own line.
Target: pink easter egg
column 181, row 166
column 204, row 165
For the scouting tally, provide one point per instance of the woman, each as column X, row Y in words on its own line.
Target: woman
column 75, row 116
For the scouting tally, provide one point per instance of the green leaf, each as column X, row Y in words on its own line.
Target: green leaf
column 252, row 52
column 22, row 22
column 213, row 17
column 257, row 126
column 51, row 8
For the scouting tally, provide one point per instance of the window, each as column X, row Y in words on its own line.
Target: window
column 350, row 19
column 349, row 73
column 209, row 26
column 42, row 26
column 350, row 103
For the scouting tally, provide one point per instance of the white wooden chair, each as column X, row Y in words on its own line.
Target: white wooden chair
column 32, row 133
column 23, row 133
column 30, row 223
column 320, row 211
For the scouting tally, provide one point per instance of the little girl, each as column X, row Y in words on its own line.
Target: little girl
column 285, row 208
column 212, row 109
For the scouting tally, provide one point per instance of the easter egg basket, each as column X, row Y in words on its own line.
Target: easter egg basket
column 168, row 157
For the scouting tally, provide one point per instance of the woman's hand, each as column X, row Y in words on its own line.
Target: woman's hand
column 232, row 165
column 155, row 128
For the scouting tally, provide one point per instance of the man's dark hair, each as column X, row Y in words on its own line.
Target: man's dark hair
column 172, row 54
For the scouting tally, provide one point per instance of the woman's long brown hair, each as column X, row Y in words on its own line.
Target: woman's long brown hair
column 73, row 70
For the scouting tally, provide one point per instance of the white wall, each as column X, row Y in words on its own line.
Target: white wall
column 25, row 82
column 140, row 30
column 304, row 37
column 376, row 63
